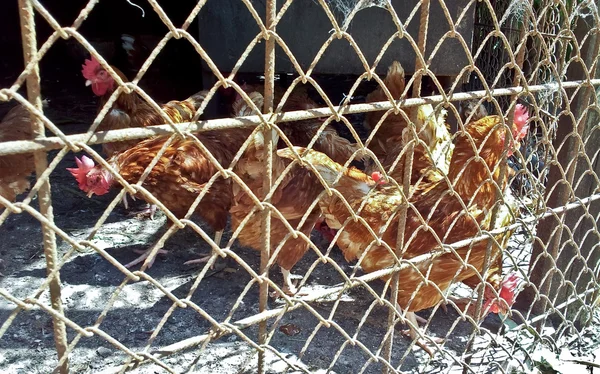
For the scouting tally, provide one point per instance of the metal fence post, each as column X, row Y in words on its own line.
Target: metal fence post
column 28, row 35
column 408, row 163
column 267, row 181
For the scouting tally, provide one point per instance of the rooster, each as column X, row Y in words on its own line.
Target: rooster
column 15, row 170
column 431, row 203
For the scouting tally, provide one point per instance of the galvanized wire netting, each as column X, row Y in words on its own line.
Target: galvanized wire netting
column 541, row 54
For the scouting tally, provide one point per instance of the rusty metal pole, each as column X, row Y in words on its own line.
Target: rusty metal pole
column 423, row 26
column 28, row 35
column 268, row 178
column 503, row 181
column 408, row 161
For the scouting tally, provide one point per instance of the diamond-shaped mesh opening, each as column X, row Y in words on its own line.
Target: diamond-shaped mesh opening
column 344, row 186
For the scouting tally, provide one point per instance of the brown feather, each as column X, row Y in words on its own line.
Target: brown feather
column 432, row 202
column 130, row 110
column 183, row 172
column 293, row 197
column 394, row 124
column 15, row 169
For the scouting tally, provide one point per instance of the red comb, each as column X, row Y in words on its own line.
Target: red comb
column 521, row 117
column 509, row 286
column 511, row 282
column 80, row 172
column 507, row 293
column 88, row 69
column 378, row 177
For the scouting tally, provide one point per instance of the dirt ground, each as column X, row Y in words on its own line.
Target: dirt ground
column 90, row 283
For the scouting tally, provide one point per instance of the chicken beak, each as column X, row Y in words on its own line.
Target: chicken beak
column 90, row 194
column 88, row 82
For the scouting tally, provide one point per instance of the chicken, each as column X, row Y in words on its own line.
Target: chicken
column 432, row 156
column 138, row 48
column 130, row 110
column 470, row 110
column 431, row 204
column 15, row 170
column 293, row 198
column 180, row 175
column 301, row 133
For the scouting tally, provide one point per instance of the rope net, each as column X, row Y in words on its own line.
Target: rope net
column 422, row 223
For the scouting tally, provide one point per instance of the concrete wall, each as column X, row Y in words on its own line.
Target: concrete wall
column 227, row 27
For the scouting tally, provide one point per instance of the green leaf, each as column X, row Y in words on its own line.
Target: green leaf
column 508, row 323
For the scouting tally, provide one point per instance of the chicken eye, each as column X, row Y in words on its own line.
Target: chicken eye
column 102, row 74
column 92, row 180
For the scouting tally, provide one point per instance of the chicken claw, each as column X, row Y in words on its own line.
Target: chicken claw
column 144, row 255
column 289, row 288
column 149, row 211
column 125, row 202
column 218, row 236
column 421, row 342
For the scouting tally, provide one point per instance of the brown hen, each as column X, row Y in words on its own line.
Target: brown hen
column 293, row 199
column 432, row 153
column 179, row 176
column 15, row 170
column 131, row 110
column 431, row 203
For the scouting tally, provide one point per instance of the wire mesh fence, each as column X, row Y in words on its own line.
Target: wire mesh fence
column 488, row 231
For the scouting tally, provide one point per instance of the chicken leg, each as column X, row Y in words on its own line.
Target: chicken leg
column 414, row 334
column 149, row 211
column 145, row 255
column 289, row 288
column 147, row 252
column 218, row 236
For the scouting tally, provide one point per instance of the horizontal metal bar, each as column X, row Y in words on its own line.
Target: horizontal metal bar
column 100, row 137
column 27, row 146
column 573, row 299
column 549, row 212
